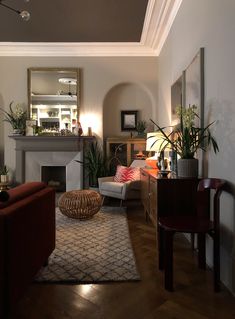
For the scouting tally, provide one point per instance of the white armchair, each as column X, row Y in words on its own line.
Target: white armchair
column 127, row 190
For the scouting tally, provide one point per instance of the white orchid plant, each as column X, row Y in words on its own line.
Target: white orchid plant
column 16, row 117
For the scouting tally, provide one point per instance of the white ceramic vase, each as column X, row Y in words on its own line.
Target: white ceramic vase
column 16, row 131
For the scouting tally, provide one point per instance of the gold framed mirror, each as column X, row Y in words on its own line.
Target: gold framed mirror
column 54, row 98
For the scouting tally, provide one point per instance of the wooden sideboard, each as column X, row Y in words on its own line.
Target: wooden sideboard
column 125, row 149
column 167, row 196
column 130, row 146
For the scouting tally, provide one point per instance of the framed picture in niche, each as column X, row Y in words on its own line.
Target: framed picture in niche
column 128, row 120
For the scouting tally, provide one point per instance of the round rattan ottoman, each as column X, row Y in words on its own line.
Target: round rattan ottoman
column 80, row 204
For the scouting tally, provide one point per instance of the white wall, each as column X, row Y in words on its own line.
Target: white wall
column 209, row 24
column 123, row 97
column 98, row 76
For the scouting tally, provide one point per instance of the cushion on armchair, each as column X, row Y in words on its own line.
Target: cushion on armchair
column 112, row 187
column 126, row 174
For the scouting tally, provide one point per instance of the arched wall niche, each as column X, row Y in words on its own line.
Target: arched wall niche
column 126, row 97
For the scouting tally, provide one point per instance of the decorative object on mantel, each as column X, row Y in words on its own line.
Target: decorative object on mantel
column 25, row 15
column 30, row 127
column 186, row 139
column 89, row 131
column 79, row 129
column 4, row 178
column 17, row 118
column 94, row 250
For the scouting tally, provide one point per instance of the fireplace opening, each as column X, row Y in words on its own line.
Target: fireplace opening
column 54, row 176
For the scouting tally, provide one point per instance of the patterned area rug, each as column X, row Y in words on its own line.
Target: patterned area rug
column 91, row 251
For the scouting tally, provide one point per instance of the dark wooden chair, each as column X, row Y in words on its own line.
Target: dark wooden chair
column 200, row 224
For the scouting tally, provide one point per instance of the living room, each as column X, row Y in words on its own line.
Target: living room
column 207, row 24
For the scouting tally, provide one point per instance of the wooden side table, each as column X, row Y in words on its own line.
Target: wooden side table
column 167, row 196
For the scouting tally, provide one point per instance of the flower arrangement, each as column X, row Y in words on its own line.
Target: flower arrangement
column 186, row 138
column 16, row 117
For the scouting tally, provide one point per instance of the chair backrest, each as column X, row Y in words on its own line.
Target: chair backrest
column 218, row 186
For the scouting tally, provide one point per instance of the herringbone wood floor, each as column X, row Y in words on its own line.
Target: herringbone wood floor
column 193, row 297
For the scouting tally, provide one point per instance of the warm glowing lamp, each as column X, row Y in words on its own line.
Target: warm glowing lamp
column 156, row 143
column 139, row 148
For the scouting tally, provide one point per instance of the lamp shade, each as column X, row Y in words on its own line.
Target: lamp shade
column 155, row 142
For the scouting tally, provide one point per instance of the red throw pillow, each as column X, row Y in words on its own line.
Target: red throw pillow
column 125, row 174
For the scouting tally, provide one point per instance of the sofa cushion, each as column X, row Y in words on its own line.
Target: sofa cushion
column 22, row 191
column 126, row 174
column 114, row 187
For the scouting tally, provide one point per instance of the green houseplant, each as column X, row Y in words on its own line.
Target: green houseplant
column 186, row 139
column 141, row 127
column 95, row 163
column 4, row 178
column 16, row 117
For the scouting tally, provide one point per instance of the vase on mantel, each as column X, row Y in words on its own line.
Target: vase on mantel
column 17, row 131
column 187, row 167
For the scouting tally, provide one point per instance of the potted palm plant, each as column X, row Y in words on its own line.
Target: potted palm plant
column 95, row 164
column 141, row 127
column 186, row 139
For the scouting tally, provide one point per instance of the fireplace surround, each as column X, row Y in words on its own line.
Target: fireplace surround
column 34, row 152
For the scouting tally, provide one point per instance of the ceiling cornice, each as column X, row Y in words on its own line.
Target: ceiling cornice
column 74, row 49
column 159, row 17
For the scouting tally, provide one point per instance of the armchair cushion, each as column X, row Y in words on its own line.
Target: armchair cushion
column 114, row 187
column 125, row 174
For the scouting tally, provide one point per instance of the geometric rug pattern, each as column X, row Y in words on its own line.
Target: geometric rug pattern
column 94, row 250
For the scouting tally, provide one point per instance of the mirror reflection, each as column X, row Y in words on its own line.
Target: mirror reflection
column 54, row 98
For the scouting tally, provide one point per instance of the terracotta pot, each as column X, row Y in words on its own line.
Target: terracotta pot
column 187, row 167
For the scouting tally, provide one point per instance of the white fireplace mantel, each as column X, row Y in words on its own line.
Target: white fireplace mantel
column 46, row 144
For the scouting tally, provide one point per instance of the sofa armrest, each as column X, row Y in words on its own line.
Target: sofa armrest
column 29, row 236
column 22, row 191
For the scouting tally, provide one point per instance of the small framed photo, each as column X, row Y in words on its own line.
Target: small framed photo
column 128, row 120
column 30, row 127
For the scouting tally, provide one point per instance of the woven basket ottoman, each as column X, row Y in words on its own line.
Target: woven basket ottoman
column 80, row 204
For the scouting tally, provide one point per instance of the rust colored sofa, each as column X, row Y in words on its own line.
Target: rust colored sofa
column 27, row 238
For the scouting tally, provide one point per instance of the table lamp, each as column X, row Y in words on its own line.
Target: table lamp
column 139, row 148
column 156, row 143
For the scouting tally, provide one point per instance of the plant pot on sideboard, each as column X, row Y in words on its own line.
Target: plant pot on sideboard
column 187, row 167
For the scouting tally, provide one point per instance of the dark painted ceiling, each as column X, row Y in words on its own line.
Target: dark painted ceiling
column 74, row 21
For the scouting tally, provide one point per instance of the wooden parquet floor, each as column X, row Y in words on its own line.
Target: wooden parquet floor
column 193, row 297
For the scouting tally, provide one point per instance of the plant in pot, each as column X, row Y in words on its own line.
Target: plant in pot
column 186, row 139
column 141, row 127
column 95, row 164
column 4, row 178
column 16, row 117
